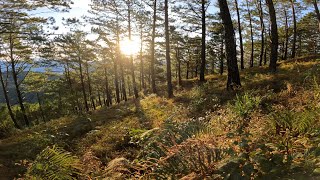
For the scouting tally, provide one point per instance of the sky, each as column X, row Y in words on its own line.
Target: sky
column 80, row 8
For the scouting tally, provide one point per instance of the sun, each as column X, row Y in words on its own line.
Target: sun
column 129, row 47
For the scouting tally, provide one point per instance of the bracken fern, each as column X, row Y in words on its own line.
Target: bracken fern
column 54, row 163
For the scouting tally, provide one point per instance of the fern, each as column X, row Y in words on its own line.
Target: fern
column 54, row 163
column 246, row 104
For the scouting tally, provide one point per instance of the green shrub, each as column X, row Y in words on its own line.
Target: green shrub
column 54, row 163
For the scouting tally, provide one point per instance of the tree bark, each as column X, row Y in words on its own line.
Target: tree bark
column 16, row 83
column 286, row 35
column 315, row 4
column 169, row 78
column 178, row 66
column 40, row 107
column 274, row 37
column 90, row 87
column 221, row 56
column 116, row 80
column 251, row 35
column 203, row 42
column 152, row 63
column 83, row 85
column 293, row 55
column 107, row 91
column 262, row 32
column 134, row 85
column 143, row 85
column 240, row 35
column 231, row 52
column 6, row 97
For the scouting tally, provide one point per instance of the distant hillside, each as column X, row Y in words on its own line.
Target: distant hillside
column 29, row 97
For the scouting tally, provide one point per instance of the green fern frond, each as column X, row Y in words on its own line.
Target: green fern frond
column 54, row 163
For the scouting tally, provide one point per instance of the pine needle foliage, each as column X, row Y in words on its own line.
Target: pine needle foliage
column 54, row 163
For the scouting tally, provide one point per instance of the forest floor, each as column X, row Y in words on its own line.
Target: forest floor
column 271, row 125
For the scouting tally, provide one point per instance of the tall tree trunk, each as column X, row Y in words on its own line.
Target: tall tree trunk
column 178, row 66
column 286, row 35
column 120, row 60
column 143, row 85
column 203, row 42
column 251, row 34
column 231, row 52
column 40, row 107
column 262, row 31
column 6, row 97
column 107, row 91
column 134, row 85
column 129, row 83
column 16, row 83
column 240, row 35
column 90, row 87
column 83, row 85
column 187, row 73
column 99, row 98
column 274, row 37
column 293, row 55
column 169, row 81
column 152, row 63
column 123, row 86
column 116, row 78
column 221, row 56
column 315, row 4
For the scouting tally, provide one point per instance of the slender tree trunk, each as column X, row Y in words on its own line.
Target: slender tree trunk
column 123, row 86
column 231, row 52
column 187, row 73
column 240, row 35
column 6, row 97
column 293, row 55
column 315, row 4
column 83, row 85
column 16, row 83
column 203, row 42
column 212, row 62
column 40, row 107
column 300, row 45
column 116, row 79
column 274, row 37
column 128, row 83
column 262, row 32
column 107, row 91
column 169, row 81
column 251, row 34
column 152, row 63
column 90, row 87
column 286, row 35
column 178, row 66
column 99, row 98
column 134, row 85
column 265, row 56
column 143, row 85
column 221, row 56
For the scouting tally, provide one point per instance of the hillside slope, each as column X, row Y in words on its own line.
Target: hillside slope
column 267, row 129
